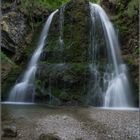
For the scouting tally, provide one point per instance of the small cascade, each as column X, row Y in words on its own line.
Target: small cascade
column 61, row 24
column 58, row 66
column 52, row 84
column 61, row 37
column 24, row 90
column 109, row 84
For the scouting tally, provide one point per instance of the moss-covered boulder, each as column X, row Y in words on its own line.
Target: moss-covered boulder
column 75, row 34
column 63, row 81
column 48, row 137
column 64, row 61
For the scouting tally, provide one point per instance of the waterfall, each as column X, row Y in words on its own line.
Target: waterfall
column 60, row 65
column 61, row 24
column 109, row 85
column 61, row 40
column 20, row 92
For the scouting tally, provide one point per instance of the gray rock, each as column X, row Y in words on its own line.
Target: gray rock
column 14, row 28
column 78, row 139
column 9, row 131
column 48, row 137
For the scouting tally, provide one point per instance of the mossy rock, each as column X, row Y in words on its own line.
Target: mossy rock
column 75, row 34
column 69, row 73
column 48, row 137
column 65, row 80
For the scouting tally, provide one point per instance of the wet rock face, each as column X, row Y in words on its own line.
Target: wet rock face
column 76, row 31
column 18, row 42
column 14, row 32
column 65, row 81
column 8, row 45
column 14, row 28
column 63, row 71
column 75, row 34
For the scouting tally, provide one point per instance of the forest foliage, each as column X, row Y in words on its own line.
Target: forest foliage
column 48, row 4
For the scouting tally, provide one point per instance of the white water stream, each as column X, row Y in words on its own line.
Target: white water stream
column 24, row 90
column 115, row 87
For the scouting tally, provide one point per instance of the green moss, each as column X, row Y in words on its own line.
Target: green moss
column 6, row 4
column 12, row 14
column 38, row 84
column 66, row 81
column 56, row 92
column 7, row 59
column 68, row 94
column 132, row 8
column 96, row 1
column 27, row 5
column 76, row 33
column 64, row 96
column 76, row 36
column 48, row 137
column 129, row 60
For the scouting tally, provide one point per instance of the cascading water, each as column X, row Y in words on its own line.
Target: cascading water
column 61, row 24
column 61, row 38
column 20, row 92
column 61, row 48
column 108, row 85
column 108, row 72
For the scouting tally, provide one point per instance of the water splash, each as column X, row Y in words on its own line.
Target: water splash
column 108, row 70
column 24, row 91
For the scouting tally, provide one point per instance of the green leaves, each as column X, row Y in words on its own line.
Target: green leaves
column 95, row 1
column 4, row 57
column 49, row 4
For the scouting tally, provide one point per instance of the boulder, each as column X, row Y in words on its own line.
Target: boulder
column 48, row 137
column 64, row 62
column 9, row 131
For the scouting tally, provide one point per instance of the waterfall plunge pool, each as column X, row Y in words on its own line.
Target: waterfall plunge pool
column 53, row 106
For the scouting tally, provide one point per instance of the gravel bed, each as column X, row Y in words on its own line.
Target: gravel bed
column 71, row 123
